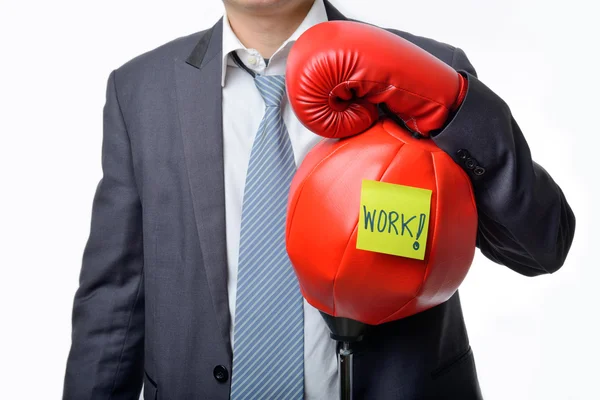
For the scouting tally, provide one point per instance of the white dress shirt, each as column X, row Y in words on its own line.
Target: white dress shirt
column 243, row 109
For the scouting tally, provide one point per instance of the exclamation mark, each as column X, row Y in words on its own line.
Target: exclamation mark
column 422, row 219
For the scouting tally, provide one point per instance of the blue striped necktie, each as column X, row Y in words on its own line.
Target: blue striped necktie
column 268, row 354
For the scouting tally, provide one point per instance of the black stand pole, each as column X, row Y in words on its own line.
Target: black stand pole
column 346, row 331
column 345, row 364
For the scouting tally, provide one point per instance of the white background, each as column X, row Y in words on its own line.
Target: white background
column 534, row 338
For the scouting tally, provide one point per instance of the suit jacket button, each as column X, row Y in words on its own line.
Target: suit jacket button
column 479, row 171
column 220, row 373
column 462, row 154
column 470, row 163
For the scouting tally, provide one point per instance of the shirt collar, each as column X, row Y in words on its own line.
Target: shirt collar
column 316, row 15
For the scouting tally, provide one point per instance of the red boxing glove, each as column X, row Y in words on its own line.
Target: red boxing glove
column 338, row 71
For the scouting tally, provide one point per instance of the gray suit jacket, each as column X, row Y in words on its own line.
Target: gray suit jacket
column 152, row 302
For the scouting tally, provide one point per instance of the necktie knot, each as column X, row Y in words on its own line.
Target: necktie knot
column 271, row 88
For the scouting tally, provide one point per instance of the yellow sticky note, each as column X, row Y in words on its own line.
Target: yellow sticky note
column 394, row 219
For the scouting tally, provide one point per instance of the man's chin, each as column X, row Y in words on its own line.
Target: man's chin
column 262, row 5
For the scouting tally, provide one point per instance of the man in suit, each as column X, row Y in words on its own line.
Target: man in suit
column 157, row 297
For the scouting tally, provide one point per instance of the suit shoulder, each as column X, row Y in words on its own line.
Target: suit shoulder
column 441, row 50
column 159, row 57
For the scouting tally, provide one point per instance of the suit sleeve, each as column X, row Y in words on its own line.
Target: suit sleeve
column 525, row 222
column 106, row 356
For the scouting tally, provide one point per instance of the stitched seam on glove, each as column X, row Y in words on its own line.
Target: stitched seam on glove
column 390, row 87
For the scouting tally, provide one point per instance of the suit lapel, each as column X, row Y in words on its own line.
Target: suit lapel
column 199, row 98
column 332, row 13
column 198, row 81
